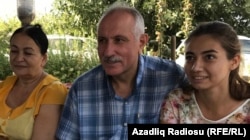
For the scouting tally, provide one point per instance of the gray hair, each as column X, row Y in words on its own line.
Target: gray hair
column 122, row 6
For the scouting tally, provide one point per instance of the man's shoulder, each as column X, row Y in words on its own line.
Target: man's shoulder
column 153, row 59
column 91, row 74
column 90, row 80
column 158, row 63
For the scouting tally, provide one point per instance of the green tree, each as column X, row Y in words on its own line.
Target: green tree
column 6, row 28
column 163, row 18
column 234, row 12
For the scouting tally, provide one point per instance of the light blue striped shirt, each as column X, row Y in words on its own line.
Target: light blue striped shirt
column 92, row 111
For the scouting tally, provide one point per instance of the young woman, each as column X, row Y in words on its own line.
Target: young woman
column 217, row 93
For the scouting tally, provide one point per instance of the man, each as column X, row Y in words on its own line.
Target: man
column 126, row 88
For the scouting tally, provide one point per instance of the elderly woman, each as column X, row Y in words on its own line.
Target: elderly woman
column 30, row 100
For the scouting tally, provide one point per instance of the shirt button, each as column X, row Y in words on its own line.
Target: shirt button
column 125, row 124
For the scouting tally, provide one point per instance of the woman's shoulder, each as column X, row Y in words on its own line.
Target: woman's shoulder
column 8, row 81
column 10, row 78
column 179, row 94
column 50, row 79
column 51, row 84
column 178, row 97
column 50, row 91
column 241, row 115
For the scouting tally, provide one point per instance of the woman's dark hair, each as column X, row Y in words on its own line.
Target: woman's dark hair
column 36, row 33
column 227, row 36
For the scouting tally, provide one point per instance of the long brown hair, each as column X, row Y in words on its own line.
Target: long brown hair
column 227, row 36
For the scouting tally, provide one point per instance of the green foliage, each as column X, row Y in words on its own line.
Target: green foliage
column 234, row 12
column 6, row 28
column 69, row 62
column 163, row 18
column 4, row 63
column 81, row 15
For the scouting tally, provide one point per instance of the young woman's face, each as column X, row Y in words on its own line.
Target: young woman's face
column 25, row 56
column 206, row 63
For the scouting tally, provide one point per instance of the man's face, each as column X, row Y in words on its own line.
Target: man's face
column 118, row 48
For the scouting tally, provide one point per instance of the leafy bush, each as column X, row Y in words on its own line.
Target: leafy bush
column 69, row 62
column 6, row 28
column 5, row 69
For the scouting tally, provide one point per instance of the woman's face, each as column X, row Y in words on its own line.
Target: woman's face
column 26, row 59
column 206, row 63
